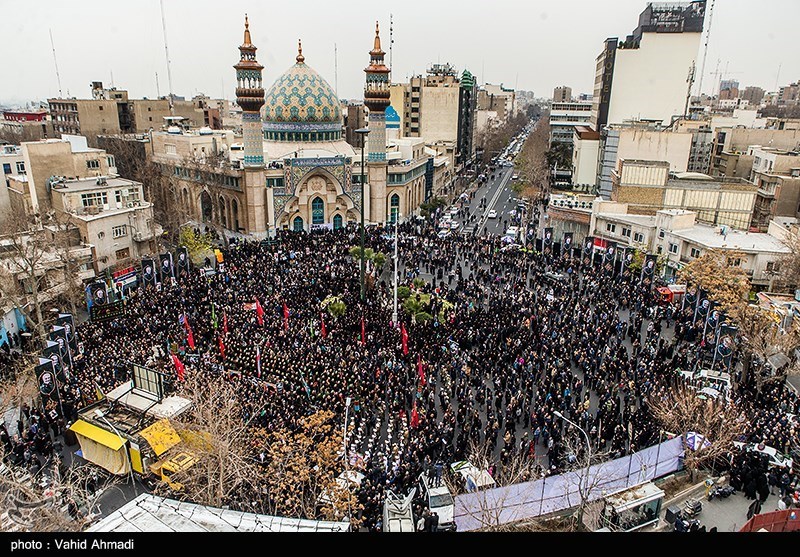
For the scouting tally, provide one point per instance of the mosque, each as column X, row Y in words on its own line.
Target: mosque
column 293, row 169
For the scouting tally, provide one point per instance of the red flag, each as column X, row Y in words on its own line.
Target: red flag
column 363, row 332
column 420, row 371
column 414, row 416
column 225, row 323
column 404, row 336
column 324, row 331
column 189, row 335
column 179, row 367
column 285, row 317
column 221, row 347
column 259, row 312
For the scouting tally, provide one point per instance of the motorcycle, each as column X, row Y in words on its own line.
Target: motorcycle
column 692, row 508
column 721, row 492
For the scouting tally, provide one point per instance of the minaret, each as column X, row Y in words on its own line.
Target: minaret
column 376, row 99
column 250, row 97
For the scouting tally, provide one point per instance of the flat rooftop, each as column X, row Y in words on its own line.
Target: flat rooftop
column 745, row 241
column 87, row 184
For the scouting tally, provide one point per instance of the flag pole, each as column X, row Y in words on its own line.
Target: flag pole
column 394, row 311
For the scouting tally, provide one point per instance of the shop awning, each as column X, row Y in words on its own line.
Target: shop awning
column 98, row 434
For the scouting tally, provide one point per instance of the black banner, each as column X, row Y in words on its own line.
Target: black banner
column 609, row 257
column 59, row 335
column 689, row 300
column 99, row 293
column 588, row 248
column 626, row 260
column 108, row 311
column 649, row 270
column 46, row 377
column 547, row 241
column 165, row 266
column 566, row 244
column 182, row 261
column 149, row 272
column 68, row 322
column 703, row 305
column 53, row 353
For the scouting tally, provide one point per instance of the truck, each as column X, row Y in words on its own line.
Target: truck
column 397, row 513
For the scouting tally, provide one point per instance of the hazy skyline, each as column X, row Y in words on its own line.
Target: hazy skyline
column 533, row 45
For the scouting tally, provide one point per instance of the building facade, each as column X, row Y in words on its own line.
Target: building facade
column 562, row 94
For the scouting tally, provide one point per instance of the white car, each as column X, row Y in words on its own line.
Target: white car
column 776, row 458
column 444, row 233
column 453, row 210
column 439, row 500
column 492, row 214
column 474, row 478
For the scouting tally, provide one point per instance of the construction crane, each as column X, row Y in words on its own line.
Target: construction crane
column 720, row 75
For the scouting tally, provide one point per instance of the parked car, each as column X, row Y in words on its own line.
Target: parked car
column 444, row 233
column 439, row 500
column 776, row 458
column 474, row 478
column 454, row 225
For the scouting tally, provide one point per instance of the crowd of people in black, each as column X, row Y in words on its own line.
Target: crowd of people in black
column 502, row 348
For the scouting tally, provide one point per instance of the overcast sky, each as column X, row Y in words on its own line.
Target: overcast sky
column 532, row 44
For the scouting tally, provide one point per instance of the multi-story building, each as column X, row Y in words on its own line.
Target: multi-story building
column 728, row 89
column 789, row 94
column 17, row 126
column 649, row 186
column 642, row 142
column 562, row 94
column 776, row 173
column 585, row 147
column 729, row 152
column 564, row 116
column 12, row 162
column 111, row 215
column 44, row 160
column 753, row 95
column 111, row 112
column 467, row 109
column 355, row 117
column 497, row 98
column 645, row 76
column 430, row 104
column 677, row 235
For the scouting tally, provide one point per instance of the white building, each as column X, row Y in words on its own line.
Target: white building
column 12, row 160
column 564, row 116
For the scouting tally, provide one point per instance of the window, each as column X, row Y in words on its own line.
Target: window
column 638, row 237
column 149, row 109
column 337, row 222
column 101, row 107
column 661, row 233
column 93, row 164
column 773, row 266
column 694, row 252
column 123, row 253
column 20, row 167
column 6, row 168
column 298, row 224
column 110, row 161
column 170, row 149
column 626, row 232
column 734, row 261
column 610, row 227
column 94, row 198
column 118, row 196
column 317, row 211
column 394, row 211
column 673, row 248
column 119, row 231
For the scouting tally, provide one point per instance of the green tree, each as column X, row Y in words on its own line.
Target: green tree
column 199, row 245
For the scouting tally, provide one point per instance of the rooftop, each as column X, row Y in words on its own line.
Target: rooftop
column 750, row 242
column 149, row 513
column 642, row 220
column 94, row 183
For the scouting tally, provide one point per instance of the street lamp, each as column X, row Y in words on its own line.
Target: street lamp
column 588, row 459
column 363, row 133
column 344, row 431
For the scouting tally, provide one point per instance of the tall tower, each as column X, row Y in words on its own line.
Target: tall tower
column 376, row 99
column 250, row 96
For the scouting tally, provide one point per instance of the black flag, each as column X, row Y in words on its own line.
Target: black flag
column 547, row 240
column 46, row 376
column 566, row 244
column 99, row 293
column 53, row 353
column 588, row 250
column 609, row 258
column 165, row 260
column 182, row 261
column 68, row 322
column 627, row 259
column 648, row 270
column 149, row 272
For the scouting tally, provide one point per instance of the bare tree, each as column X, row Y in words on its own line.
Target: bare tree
column 717, row 421
column 215, row 432
column 53, row 499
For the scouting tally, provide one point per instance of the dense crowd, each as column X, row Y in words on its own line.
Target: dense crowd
column 505, row 348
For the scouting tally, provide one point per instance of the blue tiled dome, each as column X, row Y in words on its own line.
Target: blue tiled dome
column 301, row 102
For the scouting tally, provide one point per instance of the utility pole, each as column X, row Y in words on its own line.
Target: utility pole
column 166, row 51
column 55, row 61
